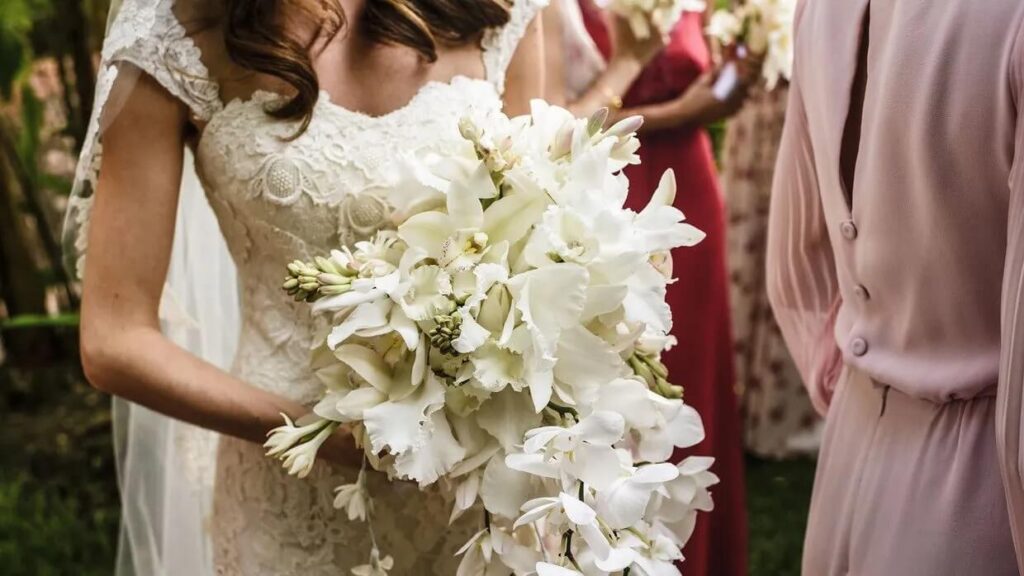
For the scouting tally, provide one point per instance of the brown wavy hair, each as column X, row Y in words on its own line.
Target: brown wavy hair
column 256, row 38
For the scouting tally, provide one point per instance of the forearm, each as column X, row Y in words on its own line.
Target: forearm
column 661, row 116
column 610, row 86
column 141, row 365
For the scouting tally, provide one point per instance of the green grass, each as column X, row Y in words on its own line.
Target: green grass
column 47, row 530
column 778, row 495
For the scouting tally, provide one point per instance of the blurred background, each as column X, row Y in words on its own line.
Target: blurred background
column 58, row 494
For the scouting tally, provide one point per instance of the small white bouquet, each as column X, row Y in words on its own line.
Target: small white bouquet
column 645, row 16
column 762, row 27
column 505, row 342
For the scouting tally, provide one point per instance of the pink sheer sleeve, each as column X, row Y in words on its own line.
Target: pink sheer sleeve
column 801, row 275
column 1010, row 397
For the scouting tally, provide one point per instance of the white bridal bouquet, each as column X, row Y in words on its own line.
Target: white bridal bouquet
column 504, row 343
column 763, row 27
column 659, row 15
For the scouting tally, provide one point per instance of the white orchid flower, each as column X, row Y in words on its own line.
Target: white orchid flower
column 598, row 429
column 505, row 489
column 477, row 555
column 376, row 567
column 677, row 425
column 398, row 424
column 353, row 498
column 582, row 451
column 684, row 496
column 434, row 453
column 660, row 225
column 466, row 494
column 624, row 502
column 550, row 300
column 566, row 509
column 459, row 239
column 429, row 293
column 658, row 557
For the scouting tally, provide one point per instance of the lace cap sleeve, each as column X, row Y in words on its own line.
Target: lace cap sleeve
column 499, row 44
column 148, row 35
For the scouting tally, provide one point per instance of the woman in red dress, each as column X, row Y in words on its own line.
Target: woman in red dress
column 674, row 94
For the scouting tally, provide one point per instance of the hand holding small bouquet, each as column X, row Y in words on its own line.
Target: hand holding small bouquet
column 504, row 342
column 760, row 27
column 647, row 17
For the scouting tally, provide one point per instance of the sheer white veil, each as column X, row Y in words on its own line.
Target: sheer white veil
column 165, row 467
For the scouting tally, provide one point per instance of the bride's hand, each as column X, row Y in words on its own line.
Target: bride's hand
column 341, row 449
column 629, row 48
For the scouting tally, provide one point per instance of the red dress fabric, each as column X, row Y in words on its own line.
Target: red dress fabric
column 702, row 362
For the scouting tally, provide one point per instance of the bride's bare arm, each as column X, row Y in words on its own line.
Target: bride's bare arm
column 130, row 238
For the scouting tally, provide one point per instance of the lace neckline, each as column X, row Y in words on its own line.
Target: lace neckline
column 324, row 101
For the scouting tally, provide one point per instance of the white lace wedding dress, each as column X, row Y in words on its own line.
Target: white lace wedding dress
column 278, row 199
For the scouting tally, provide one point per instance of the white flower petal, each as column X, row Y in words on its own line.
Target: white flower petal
column 399, row 425
column 507, row 416
column 367, row 364
column 472, row 337
column 434, row 456
column 505, row 490
column 427, row 231
column 369, row 315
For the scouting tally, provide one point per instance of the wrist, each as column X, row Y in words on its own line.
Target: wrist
column 629, row 66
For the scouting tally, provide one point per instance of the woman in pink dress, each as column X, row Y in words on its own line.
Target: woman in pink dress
column 674, row 95
column 896, row 272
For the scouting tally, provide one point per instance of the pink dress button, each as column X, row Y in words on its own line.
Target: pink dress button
column 848, row 229
column 859, row 347
column 861, row 293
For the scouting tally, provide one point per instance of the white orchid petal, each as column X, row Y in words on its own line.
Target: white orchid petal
column 576, row 510
column 367, row 364
column 504, row 490
column 534, row 510
column 464, row 196
column 601, row 428
column 437, row 453
column 399, row 425
column 355, row 403
column 535, row 464
column 369, row 315
column 507, row 416
column 472, row 337
column 427, row 231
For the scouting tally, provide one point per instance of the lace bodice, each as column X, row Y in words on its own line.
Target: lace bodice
column 277, row 199
column 280, row 199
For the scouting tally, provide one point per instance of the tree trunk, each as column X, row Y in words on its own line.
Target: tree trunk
column 21, row 178
column 21, row 286
column 81, row 55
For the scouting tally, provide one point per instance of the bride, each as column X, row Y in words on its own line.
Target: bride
column 291, row 114
column 229, row 136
